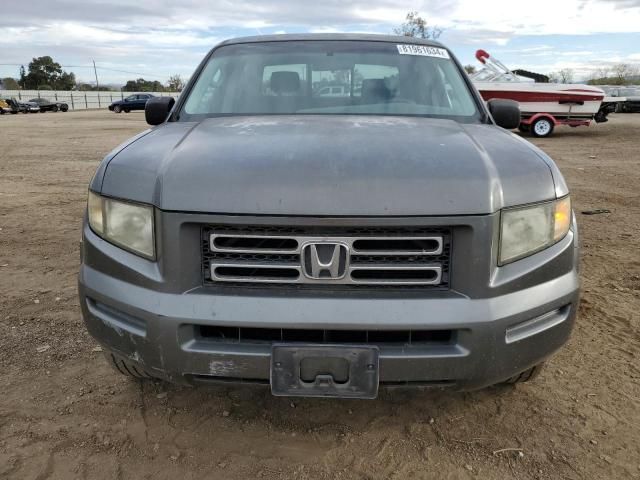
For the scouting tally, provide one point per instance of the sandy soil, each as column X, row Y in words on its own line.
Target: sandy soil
column 64, row 414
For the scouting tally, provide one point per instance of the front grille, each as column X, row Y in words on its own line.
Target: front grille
column 326, row 256
column 246, row 335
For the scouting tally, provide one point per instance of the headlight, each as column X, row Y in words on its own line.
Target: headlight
column 128, row 225
column 526, row 230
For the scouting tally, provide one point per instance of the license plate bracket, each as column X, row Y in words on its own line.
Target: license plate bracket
column 325, row 371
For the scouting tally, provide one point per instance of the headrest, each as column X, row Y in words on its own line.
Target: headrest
column 375, row 89
column 285, row 82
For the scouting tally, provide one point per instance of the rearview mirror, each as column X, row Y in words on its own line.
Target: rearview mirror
column 157, row 109
column 506, row 113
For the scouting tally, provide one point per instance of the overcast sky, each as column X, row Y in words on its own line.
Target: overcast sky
column 155, row 38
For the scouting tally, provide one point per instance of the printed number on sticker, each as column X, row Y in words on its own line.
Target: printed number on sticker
column 423, row 50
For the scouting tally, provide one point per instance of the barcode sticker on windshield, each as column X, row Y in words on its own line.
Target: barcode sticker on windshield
column 422, row 50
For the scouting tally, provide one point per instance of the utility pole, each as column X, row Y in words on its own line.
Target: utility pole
column 97, row 84
column 96, row 74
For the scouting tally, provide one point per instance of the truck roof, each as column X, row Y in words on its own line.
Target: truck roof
column 369, row 37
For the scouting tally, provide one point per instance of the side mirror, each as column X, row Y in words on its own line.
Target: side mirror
column 157, row 108
column 506, row 113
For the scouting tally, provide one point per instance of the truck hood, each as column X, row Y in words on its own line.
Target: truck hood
column 328, row 166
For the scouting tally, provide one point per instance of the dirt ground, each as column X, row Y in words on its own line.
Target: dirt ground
column 64, row 414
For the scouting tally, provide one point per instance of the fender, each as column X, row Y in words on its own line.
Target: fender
column 535, row 117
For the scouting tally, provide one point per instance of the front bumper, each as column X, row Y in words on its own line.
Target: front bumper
column 503, row 320
column 495, row 338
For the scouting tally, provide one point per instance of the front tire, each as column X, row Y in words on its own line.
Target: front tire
column 128, row 369
column 117, row 109
column 542, row 127
column 126, row 110
column 525, row 376
column 54, row 108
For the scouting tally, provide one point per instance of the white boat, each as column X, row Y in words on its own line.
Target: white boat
column 551, row 103
column 559, row 100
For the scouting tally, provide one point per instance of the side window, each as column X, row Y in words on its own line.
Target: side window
column 131, row 98
column 202, row 98
column 267, row 77
column 363, row 72
column 339, row 79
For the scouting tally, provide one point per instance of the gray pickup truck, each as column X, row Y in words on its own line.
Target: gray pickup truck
column 396, row 235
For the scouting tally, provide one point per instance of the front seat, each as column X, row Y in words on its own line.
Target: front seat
column 375, row 90
column 286, row 87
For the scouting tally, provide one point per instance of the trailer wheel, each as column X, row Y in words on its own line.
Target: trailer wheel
column 542, row 127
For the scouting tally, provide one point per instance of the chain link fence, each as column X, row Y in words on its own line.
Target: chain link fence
column 77, row 100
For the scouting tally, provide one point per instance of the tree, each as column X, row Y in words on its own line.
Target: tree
column 470, row 69
column 622, row 73
column 142, row 85
column 9, row 83
column 600, row 76
column 561, row 76
column 88, row 87
column 45, row 73
column 342, row 77
column 416, row 26
column 66, row 81
column 565, row 75
column 23, row 76
column 603, row 72
column 175, row 83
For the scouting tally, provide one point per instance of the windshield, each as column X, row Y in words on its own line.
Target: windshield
column 330, row 77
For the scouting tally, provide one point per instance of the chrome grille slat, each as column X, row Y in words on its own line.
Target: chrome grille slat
column 376, row 257
column 257, row 249
column 435, row 269
column 433, row 251
column 257, row 276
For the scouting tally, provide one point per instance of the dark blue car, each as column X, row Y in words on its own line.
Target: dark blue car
column 132, row 102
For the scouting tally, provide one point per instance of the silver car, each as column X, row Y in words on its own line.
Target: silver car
column 327, row 246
